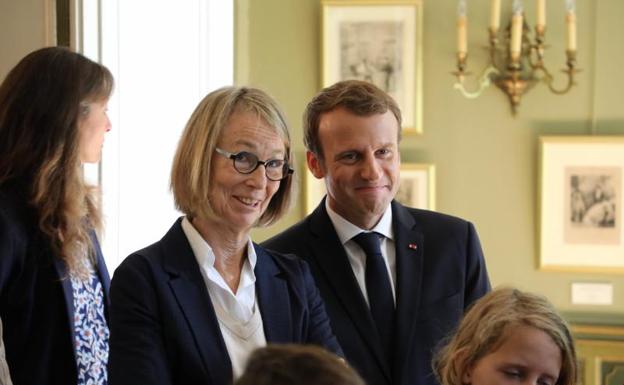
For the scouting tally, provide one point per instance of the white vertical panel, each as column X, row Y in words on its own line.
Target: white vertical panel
column 165, row 56
column 110, row 165
column 89, row 38
column 88, row 41
column 220, row 43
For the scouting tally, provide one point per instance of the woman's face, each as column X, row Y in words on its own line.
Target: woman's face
column 527, row 356
column 240, row 199
column 94, row 123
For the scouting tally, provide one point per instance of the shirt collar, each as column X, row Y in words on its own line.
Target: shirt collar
column 202, row 250
column 347, row 230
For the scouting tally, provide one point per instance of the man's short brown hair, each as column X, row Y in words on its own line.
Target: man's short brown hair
column 356, row 96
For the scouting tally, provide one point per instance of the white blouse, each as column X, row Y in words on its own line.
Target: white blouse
column 239, row 317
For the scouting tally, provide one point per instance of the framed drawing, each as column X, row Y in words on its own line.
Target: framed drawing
column 380, row 42
column 416, row 188
column 581, row 186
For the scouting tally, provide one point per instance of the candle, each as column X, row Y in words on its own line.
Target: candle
column 516, row 36
column 495, row 15
column 516, row 30
column 462, row 36
column 541, row 15
column 571, row 24
column 462, row 32
column 571, row 27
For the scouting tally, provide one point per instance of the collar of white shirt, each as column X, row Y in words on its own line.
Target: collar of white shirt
column 347, row 230
column 357, row 259
column 242, row 303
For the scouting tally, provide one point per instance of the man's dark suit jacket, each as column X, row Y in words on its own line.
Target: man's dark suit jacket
column 164, row 329
column 36, row 298
column 440, row 271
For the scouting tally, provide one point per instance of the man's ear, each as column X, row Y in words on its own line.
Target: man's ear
column 314, row 164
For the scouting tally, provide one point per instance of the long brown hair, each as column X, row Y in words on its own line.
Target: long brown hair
column 42, row 103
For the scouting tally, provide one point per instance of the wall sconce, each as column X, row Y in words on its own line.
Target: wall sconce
column 516, row 63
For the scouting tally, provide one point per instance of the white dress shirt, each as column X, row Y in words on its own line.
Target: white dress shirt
column 238, row 314
column 357, row 258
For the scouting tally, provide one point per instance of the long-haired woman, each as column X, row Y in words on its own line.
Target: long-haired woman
column 53, row 280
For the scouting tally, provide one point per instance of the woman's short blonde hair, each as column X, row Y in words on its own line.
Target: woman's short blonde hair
column 190, row 174
column 482, row 329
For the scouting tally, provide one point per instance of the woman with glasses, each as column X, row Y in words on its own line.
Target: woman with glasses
column 190, row 308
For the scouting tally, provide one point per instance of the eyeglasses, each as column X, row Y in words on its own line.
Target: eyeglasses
column 246, row 163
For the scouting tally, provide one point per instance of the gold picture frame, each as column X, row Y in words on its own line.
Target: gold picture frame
column 602, row 360
column 380, row 42
column 416, row 189
column 581, row 190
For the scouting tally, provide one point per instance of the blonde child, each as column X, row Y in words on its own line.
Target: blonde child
column 509, row 337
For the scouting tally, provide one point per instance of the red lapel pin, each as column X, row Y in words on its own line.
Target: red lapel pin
column 412, row 246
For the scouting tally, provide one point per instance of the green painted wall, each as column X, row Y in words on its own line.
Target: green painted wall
column 486, row 160
column 22, row 30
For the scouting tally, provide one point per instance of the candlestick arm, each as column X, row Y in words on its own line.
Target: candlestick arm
column 484, row 82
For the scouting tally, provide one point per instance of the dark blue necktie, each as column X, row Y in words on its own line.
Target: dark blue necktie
column 379, row 291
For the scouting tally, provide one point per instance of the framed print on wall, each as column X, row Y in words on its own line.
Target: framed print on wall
column 380, row 42
column 416, row 188
column 581, row 202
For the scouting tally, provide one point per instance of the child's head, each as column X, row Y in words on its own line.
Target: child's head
column 506, row 336
column 290, row 364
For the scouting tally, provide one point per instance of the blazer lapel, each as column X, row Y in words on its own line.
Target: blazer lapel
column 273, row 299
column 63, row 274
column 409, row 246
column 68, row 291
column 333, row 261
column 102, row 270
column 192, row 296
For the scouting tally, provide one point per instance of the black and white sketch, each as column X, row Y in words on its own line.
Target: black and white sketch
column 371, row 51
column 581, row 203
column 416, row 185
column 379, row 42
column 408, row 192
column 592, row 199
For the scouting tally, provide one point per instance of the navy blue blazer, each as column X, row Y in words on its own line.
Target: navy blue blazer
column 36, row 299
column 440, row 271
column 163, row 326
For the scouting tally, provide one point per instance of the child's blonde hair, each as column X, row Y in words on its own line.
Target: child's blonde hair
column 483, row 326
